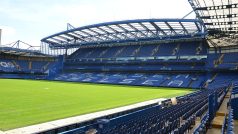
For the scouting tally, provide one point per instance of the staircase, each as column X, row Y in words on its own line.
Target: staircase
column 214, row 76
column 119, row 51
column 103, row 52
column 176, row 49
column 88, row 54
column 30, row 65
column 16, row 65
column 161, row 83
column 216, row 125
column 212, row 79
column 190, row 83
column 218, row 61
column 135, row 52
column 45, row 66
column 155, row 50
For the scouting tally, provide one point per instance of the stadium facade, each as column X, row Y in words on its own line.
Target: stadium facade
column 200, row 54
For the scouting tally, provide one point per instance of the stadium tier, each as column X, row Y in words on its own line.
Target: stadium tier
column 167, row 117
column 139, row 79
column 29, row 67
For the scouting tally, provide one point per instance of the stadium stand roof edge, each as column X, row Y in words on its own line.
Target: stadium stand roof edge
column 21, row 48
column 220, row 18
column 127, row 31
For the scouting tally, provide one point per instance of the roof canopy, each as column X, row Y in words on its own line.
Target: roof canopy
column 219, row 16
column 20, row 48
column 127, row 31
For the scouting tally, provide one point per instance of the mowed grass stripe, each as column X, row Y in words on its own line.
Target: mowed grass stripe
column 28, row 102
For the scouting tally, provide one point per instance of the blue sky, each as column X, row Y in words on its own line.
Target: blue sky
column 31, row 20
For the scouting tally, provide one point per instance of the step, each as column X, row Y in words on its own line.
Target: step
column 227, row 96
column 214, row 131
column 220, row 114
column 218, row 122
column 236, row 126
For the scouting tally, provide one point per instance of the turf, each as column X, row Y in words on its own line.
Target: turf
column 27, row 102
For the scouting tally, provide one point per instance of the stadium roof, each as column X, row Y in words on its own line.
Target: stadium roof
column 20, row 48
column 219, row 16
column 127, row 31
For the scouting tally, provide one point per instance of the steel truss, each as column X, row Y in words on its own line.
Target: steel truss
column 219, row 16
column 126, row 31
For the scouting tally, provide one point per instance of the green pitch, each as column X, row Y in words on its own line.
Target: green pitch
column 28, row 102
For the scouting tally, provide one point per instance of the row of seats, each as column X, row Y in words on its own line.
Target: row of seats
column 22, row 76
column 207, row 115
column 189, row 48
column 223, row 79
column 234, row 99
column 159, row 119
column 202, row 128
column 164, row 120
column 166, row 80
column 135, row 67
column 227, row 61
column 228, row 124
column 24, row 66
column 7, row 66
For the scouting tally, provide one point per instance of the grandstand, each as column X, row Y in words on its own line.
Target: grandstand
column 25, row 63
column 199, row 54
column 136, row 62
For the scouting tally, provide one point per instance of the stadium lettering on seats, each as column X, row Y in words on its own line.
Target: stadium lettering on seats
column 6, row 64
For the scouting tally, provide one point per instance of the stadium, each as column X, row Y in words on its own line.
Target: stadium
column 140, row 76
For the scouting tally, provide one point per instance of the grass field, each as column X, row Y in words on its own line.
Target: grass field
column 27, row 102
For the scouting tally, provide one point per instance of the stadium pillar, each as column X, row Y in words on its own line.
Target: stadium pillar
column 66, row 52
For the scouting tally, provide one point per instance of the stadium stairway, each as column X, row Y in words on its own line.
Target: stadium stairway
column 119, row 51
column 45, row 66
column 18, row 67
column 155, row 50
column 30, row 65
column 221, row 115
column 190, row 83
column 88, row 54
column 212, row 79
column 219, row 61
column 236, row 126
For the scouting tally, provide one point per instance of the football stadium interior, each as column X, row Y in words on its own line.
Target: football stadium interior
column 194, row 60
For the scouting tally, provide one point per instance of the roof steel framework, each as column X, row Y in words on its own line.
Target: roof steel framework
column 127, row 31
column 219, row 16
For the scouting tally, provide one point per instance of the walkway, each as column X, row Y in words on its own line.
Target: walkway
column 220, row 116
